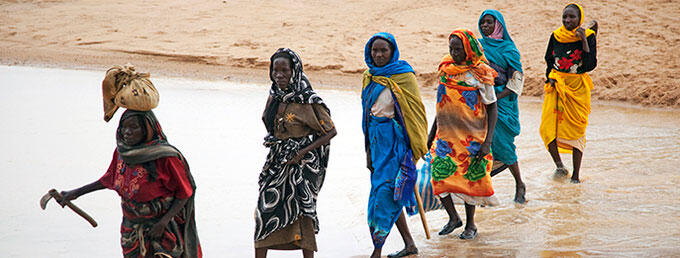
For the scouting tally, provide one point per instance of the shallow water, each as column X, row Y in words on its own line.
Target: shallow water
column 53, row 136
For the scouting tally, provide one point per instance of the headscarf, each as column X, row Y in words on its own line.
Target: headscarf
column 299, row 89
column 406, row 94
column 394, row 66
column 475, row 62
column 497, row 30
column 155, row 145
column 501, row 51
column 563, row 35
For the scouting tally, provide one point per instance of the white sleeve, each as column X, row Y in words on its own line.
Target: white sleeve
column 488, row 94
column 485, row 90
column 516, row 83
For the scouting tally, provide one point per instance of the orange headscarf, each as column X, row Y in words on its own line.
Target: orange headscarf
column 475, row 62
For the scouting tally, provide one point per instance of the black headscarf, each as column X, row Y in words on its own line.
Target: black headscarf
column 299, row 89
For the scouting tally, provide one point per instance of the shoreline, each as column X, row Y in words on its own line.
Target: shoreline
column 232, row 40
column 159, row 68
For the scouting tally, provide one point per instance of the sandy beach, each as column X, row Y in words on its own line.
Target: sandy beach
column 638, row 42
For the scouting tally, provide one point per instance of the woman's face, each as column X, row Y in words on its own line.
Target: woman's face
column 487, row 24
column 281, row 72
column 381, row 52
column 457, row 50
column 131, row 131
column 571, row 18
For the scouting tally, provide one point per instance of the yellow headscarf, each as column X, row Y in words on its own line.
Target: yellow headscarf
column 563, row 35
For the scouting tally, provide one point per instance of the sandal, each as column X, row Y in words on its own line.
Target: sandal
column 448, row 228
column 469, row 235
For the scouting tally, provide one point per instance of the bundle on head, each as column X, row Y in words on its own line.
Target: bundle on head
column 124, row 87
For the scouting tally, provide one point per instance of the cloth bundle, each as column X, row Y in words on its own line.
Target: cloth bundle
column 124, row 87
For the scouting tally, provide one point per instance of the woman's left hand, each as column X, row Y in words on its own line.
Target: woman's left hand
column 581, row 32
column 484, row 150
column 296, row 159
column 157, row 230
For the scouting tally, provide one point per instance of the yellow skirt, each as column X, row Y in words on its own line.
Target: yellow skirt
column 565, row 110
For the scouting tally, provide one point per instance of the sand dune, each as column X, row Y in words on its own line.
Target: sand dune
column 638, row 43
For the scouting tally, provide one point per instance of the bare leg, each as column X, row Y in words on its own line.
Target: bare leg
column 376, row 253
column 454, row 219
column 577, row 156
column 260, row 252
column 520, row 188
column 307, row 253
column 470, row 231
column 560, row 172
column 552, row 148
column 405, row 233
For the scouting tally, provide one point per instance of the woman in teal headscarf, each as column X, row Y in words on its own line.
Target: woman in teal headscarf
column 504, row 57
column 395, row 134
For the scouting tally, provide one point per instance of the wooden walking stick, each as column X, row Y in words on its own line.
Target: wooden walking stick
column 421, row 211
column 54, row 194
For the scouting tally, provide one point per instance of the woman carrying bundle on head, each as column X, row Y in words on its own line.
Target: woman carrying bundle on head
column 461, row 135
column 504, row 57
column 151, row 176
column 395, row 131
column 571, row 54
column 299, row 128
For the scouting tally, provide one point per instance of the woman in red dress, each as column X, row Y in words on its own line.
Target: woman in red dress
column 156, row 189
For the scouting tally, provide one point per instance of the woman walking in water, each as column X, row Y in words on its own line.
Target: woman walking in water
column 504, row 57
column 571, row 54
column 395, row 131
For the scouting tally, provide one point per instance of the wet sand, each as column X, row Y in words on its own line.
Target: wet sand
column 53, row 136
column 638, row 43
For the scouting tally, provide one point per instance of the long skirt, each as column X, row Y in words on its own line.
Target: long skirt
column 140, row 217
column 507, row 128
column 388, row 147
column 565, row 111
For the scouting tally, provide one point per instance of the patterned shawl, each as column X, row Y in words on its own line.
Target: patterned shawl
column 299, row 89
column 475, row 62
column 287, row 192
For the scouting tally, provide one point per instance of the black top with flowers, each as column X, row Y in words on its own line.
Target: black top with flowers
column 570, row 57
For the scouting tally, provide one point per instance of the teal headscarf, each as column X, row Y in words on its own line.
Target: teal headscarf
column 501, row 52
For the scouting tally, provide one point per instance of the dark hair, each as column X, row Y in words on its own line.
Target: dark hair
column 578, row 10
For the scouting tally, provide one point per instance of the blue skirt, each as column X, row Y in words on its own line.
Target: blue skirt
column 388, row 147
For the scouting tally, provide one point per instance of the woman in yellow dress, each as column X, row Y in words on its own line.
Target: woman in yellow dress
column 571, row 54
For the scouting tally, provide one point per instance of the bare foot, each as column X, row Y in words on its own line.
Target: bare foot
column 560, row 173
column 409, row 250
column 520, row 191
